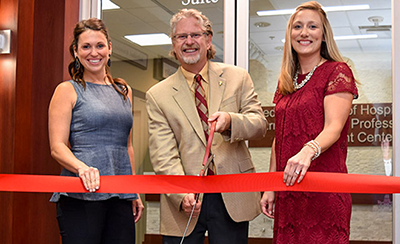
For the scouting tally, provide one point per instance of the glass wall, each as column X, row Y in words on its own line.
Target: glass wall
column 143, row 64
column 371, row 115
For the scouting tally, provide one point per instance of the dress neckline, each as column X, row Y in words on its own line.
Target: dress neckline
column 97, row 84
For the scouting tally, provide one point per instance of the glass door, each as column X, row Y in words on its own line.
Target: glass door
column 145, row 63
column 364, row 38
column 244, row 38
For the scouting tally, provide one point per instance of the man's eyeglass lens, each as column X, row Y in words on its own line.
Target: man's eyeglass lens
column 184, row 36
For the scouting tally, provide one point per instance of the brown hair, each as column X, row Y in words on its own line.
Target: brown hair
column 290, row 62
column 203, row 22
column 77, row 74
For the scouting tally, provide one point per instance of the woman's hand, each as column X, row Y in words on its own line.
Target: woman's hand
column 267, row 203
column 138, row 208
column 90, row 178
column 297, row 166
column 385, row 149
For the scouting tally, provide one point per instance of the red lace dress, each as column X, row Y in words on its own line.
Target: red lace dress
column 307, row 217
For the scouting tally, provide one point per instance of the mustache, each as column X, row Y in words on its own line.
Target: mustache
column 190, row 46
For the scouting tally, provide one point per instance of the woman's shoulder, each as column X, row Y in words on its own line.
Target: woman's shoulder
column 335, row 68
column 336, row 65
column 65, row 91
column 66, row 86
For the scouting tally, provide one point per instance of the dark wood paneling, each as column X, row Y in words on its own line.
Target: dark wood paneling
column 152, row 197
column 358, row 198
column 6, row 217
column 47, row 67
column 23, row 113
column 39, row 65
column 29, row 75
column 9, row 14
column 71, row 17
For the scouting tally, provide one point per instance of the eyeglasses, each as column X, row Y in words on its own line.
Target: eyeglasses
column 184, row 36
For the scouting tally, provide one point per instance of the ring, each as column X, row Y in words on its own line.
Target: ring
column 297, row 172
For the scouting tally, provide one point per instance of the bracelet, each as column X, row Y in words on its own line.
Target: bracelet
column 316, row 147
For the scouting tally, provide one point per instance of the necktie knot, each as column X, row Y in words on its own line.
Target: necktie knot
column 198, row 78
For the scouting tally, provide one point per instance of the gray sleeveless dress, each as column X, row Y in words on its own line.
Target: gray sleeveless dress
column 100, row 126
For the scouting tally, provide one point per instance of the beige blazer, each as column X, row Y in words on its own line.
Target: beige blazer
column 177, row 142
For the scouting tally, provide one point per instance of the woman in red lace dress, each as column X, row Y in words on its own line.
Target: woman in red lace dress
column 313, row 100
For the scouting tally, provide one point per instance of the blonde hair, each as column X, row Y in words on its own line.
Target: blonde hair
column 290, row 62
column 203, row 22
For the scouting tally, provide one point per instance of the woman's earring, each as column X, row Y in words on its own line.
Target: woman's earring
column 77, row 64
column 109, row 60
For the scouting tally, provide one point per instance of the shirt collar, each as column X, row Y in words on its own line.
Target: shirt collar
column 190, row 76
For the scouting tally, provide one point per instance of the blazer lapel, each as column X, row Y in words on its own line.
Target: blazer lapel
column 184, row 99
column 217, row 87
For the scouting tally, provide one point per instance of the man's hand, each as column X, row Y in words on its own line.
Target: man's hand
column 223, row 121
column 187, row 205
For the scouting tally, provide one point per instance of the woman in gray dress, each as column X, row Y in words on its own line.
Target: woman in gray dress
column 90, row 128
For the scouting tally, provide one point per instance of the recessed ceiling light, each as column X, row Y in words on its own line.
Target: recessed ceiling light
column 108, row 5
column 326, row 9
column 346, row 8
column 355, row 37
column 262, row 24
column 351, row 37
column 275, row 12
column 149, row 39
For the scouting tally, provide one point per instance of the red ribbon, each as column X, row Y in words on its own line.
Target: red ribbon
column 313, row 182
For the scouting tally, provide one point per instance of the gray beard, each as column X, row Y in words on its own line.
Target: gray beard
column 191, row 60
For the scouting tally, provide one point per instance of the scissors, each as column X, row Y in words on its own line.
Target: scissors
column 206, row 165
column 203, row 172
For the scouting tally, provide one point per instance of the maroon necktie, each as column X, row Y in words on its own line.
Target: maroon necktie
column 202, row 109
column 201, row 104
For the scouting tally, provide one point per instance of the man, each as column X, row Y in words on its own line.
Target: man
column 178, row 135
